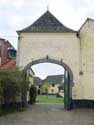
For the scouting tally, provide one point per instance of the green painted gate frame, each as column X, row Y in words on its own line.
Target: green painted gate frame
column 67, row 91
column 68, row 80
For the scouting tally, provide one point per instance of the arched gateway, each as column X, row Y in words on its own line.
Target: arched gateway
column 47, row 37
column 68, row 78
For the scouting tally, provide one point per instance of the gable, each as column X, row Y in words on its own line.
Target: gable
column 85, row 24
column 47, row 23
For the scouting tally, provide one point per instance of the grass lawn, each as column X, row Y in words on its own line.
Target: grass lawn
column 49, row 99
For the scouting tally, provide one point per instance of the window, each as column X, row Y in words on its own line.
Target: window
column 53, row 85
column 11, row 54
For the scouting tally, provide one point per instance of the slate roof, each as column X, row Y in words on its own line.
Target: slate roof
column 37, row 81
column 47, row 23
column 53, row 79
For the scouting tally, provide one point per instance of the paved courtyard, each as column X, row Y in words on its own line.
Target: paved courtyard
column 49, row 114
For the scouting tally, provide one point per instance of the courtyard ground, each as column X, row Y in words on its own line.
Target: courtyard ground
column 49, row 114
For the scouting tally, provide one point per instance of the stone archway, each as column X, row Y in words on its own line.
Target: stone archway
column 68, row 78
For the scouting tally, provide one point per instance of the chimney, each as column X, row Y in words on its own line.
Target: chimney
column 4, row 52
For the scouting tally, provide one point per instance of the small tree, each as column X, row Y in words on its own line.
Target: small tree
column 33, row 94
column 45, row 88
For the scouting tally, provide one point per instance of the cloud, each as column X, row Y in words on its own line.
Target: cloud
column 16, row 21
column 72, row 13
column 3, row 2
column 18, row 14
column 18, row 3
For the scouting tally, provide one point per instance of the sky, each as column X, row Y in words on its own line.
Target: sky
column 18, row 14
column 41, row 71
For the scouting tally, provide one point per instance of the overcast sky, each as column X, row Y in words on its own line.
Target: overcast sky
column 18, row 14
column 45, row 69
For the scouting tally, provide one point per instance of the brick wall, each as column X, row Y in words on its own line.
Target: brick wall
column 4, row 51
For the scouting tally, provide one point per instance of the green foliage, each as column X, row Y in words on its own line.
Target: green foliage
column 45, row 87
column 11, row 85
column 33, row 94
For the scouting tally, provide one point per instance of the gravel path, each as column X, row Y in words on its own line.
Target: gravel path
column 49, row 114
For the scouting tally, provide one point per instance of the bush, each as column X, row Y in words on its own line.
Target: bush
column 33, row 94
column 11, row 84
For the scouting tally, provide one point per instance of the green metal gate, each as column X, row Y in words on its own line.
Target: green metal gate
column 67, row 90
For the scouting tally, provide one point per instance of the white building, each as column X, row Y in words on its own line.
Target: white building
column 48, row 38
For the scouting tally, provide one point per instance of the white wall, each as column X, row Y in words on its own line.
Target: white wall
column 55, row 89
column 57, row 46
column 87, row 62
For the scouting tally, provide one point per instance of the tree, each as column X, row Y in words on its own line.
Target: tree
column 33, row 94
column 45, row 87
column 11, row 85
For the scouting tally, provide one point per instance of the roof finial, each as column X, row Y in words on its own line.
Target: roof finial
column 48, row 3
column 48, row 8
